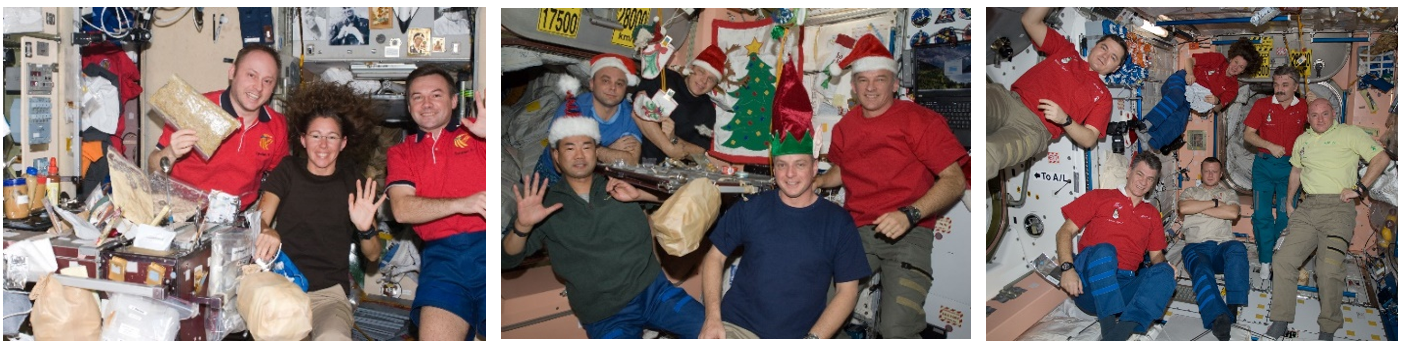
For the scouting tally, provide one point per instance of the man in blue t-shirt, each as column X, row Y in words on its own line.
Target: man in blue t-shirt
column 620, row 138
column 795, row 246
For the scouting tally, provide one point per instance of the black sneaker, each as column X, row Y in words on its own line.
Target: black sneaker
column 1222, row 327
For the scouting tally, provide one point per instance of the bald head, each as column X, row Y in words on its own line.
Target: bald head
column 1321, row 115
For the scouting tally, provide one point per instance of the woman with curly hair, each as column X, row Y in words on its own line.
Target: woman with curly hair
column 1212, row 71
column 304, row 194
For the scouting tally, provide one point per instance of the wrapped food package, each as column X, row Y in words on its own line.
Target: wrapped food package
column 184, row 108
column 681, row 222
column 64, row 312
column 274, row 308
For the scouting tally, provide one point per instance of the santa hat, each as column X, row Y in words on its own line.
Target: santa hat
column 620, row 62
column 573, row 122
column 711, row 60
column 868, row 55
column 792, row 124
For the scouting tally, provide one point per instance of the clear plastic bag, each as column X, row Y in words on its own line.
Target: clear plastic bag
column 184, row 108
column 136, row 318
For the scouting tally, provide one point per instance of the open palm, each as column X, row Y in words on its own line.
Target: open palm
column 529, row 210
column 362, row 209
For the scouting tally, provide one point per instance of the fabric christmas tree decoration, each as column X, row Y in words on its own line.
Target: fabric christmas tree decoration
column 753, row 108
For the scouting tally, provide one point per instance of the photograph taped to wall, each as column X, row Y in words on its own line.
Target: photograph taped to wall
column 381, row 18
column 438, row 45
column 350, row 26
column 419, row 39
column 449, row 21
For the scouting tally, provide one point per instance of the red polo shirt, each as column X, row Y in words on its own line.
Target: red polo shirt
column 452, row 166
column 1210, row 69
column 1278, row 124
column 241, row 161
column 891, row 160
column 1065, row 78
column 1108, row 217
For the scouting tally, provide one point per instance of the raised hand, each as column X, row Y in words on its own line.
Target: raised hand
column 361, row 205
column 529, row 210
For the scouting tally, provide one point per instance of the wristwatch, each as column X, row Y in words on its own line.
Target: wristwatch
column 1067, row 123
column 367, row 234
column 1216, row 203
column 1067, row 266
column 810, row 336
column 912, row 214
column 519, row 233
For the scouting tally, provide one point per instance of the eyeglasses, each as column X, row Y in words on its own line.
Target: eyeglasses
column 324, row 138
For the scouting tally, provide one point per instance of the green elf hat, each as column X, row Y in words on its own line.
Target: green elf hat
column 792, row 122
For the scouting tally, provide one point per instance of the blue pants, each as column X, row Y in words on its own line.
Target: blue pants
column 1270, row 177
column 661, row 306
column 1107, row 290
column 453, row 278
column 1167, row 120
column 1204, row 261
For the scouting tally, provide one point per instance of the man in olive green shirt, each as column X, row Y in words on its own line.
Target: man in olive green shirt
column 600, row 243
column 1324, row 161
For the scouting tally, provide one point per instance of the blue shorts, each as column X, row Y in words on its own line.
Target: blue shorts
column 453, row 278
column 662, row 306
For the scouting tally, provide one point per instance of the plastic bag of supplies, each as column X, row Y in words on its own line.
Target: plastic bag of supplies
column 184, row 108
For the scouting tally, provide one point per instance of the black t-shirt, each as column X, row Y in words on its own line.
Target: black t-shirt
column 314, row 221
column 692, row 112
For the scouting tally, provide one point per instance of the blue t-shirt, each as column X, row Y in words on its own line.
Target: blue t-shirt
column 792, row 255
column 620, row 125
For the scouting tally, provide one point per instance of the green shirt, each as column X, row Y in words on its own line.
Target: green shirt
column 1329, row 161
column 602, row 249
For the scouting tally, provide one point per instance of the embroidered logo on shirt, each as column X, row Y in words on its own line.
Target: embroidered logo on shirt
column 1116, row 215
column 265, row 141
column 461, row 141
column 1065, row 60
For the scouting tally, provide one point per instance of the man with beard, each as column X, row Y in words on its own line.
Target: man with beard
column 600, row 243
column 1103, row 277
column 610, row 77
column 254, row 149
column 1208, row 211
column 1272, row 126
column 1324, row 161
column 795, row 244
column 437, row 182
column 901, row 165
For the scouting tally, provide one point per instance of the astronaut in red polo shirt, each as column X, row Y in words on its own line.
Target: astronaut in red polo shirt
column 1064, row 94
column 1272, row 127
column 437, row 182
column 254, row 149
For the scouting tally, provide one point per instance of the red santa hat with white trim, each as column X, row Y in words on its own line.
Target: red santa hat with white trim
column 620, row 62
column 573, row 122
column 711, row 60
column 869, row 54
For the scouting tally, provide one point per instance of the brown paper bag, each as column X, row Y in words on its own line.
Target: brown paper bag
column 184, row 108
column 273, row 307
column 682, row 220
column 64, row 312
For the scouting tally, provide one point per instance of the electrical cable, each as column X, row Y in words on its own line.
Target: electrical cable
column 182, row 15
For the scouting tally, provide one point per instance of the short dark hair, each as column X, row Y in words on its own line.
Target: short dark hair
column 277, row 59
column 1147, row 158
column 1121, row 41
column 1212, row 160
column 1288, row 71
column 1246, row 50
column 432, row 69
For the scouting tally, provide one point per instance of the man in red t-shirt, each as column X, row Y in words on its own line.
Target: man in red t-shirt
column 1119, row 229
column 254, row 149
column 901, row 165
column 1064, row 94
column 437, row 182
column 1272, row 127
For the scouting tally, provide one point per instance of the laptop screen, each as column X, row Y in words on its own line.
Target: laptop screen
column 945, row 66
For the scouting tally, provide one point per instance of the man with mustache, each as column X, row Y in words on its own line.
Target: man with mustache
column 1062, row 94
column 901, row 166
column 1103, row 277
column 1272, row 126
column 1324, row 162
column 253, row 150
